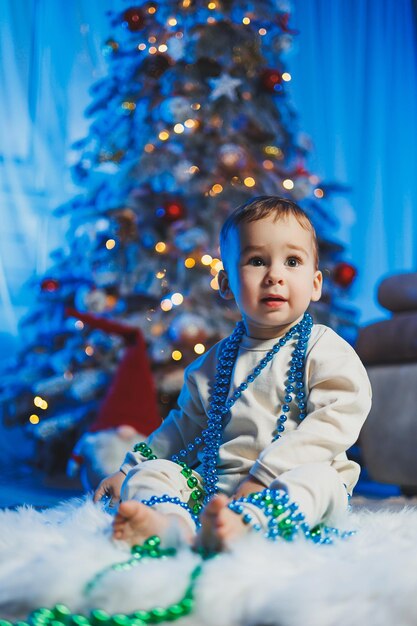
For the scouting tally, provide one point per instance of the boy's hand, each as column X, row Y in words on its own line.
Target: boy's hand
column 249, row 485
column 110, row 487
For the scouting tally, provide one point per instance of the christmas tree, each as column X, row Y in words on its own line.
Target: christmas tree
column 193, row 119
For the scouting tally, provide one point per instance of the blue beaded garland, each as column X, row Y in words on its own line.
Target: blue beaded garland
column 220, row 404
column 172, row 500
column 284, row 520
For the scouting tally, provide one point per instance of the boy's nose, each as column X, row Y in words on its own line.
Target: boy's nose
column 273, row 277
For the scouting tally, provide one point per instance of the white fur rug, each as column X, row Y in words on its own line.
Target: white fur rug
column 369, row 579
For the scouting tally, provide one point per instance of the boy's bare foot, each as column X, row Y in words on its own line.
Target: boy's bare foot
column 135, row 522
column 219, row 525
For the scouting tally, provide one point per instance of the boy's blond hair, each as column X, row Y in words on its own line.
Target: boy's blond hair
column 261, row 207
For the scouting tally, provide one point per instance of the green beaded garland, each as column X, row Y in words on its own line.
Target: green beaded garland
column 61, row 611
column 79, row 620
column 197, row 494
column 141, row 615
column 158, row 614
column 99, row 617
column 42, row 613
column 152, row 541
column 120, row 620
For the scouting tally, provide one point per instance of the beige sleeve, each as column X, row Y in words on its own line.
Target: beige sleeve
column 338, row 402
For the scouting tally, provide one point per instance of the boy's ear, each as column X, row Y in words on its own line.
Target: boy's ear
column 224, row 288
column 317, row 286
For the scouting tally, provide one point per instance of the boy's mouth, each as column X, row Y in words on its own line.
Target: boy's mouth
column 272, row 300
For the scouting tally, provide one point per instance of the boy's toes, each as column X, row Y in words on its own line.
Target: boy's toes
column 215, row 505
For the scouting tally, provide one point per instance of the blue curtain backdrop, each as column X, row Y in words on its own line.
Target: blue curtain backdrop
column 355, row 88
column 354, row 85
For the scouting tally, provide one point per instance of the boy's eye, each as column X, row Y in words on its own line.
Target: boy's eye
column 292, row 261
column 257, row 261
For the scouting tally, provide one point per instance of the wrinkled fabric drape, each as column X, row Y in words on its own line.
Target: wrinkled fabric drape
column 354, row 86
column 50, row 54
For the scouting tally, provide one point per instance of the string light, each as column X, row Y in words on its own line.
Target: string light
column 212, row 6
column 163, row 135
column 40, row 403
column 110, row 244
column 151, row 10
column 162, row 48
column 262, row 31
column 160, row 247
column 153, row 50
column 217, row 188
column 34, row 419
column 216, row 266
column 177, row 298
column 149, row 147
column 246, row 20
column 268, row 165
column 273, row 150
column 319, row 193
column 189, row 263
column 152, row 39
column 196, row 106
column 178, row 128
column 288, row 183
column 166, row 304
column 157, row 329
column 172, row 21
column 249, row 181
column 176, row 355
column 160, row 274
column 214, row 284
column 142, row 46
column 206, row 259
column 79, row 325
column 128, row 105
column 89, row 350
column 199, row 348
column 190, row 123
column 286, row 76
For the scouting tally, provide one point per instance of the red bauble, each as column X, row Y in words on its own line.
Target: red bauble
column 283, row 21
column 174, row 210
column 50, row 284
column 270, row 80
column 135, row 18
column 344, row 274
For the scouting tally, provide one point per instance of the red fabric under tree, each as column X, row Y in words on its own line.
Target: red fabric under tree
column 131, row 399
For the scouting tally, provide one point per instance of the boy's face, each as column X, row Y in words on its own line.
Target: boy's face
column 271, row 274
